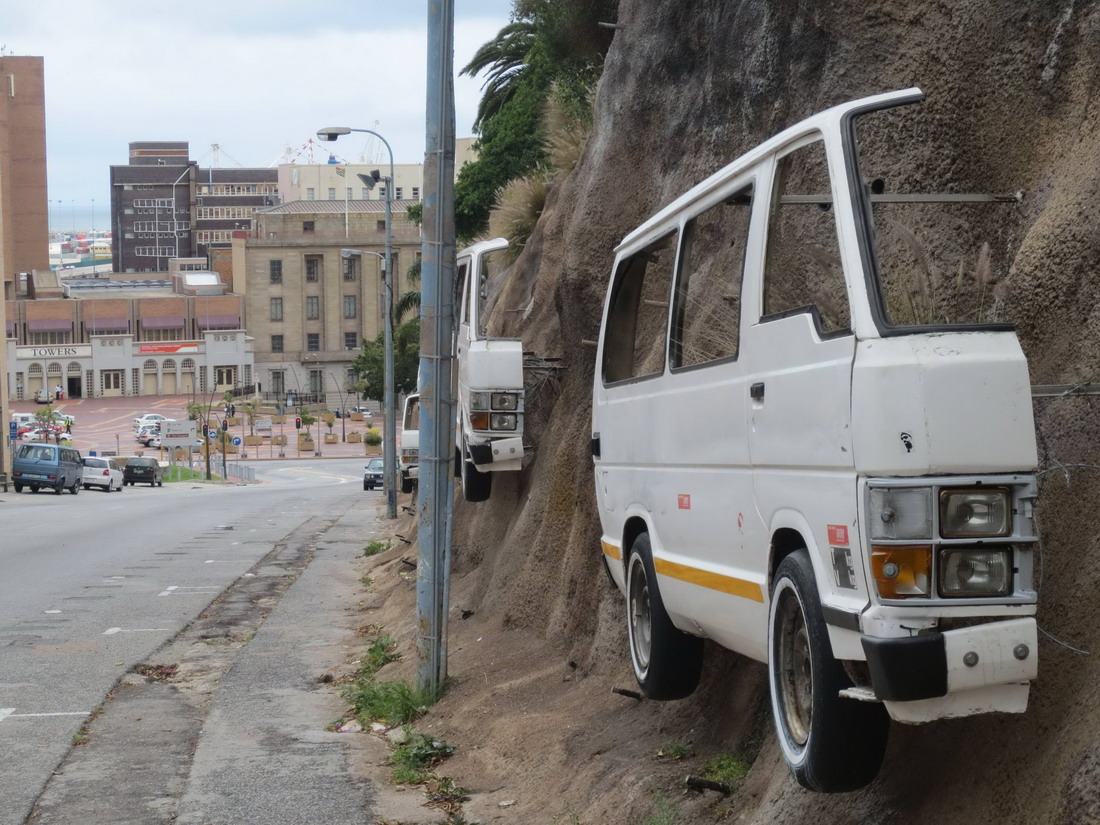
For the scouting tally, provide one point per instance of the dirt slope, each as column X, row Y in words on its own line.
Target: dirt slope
column 1012, row 92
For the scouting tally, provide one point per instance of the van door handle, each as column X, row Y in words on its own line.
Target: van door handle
column 756, row 391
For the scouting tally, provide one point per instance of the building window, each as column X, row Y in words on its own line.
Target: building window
column 162, row 334
column 112, row 379
column 416, row 193
column 351, row 306
column 225, row 376
column 347, row 193
column 313, row 342
column 351, row 340
column 397, row 193
column 310, row 194
column 381, row 193
column 50, row 338
column 278, row 382
column 350, row 267
column 366, row 193
column 332, row 193
column 276, row 309
column 276, row 343
column 276, row 268
column 313, row 308
column 307, row 226
column 317, row 382
column 380, row 226
column 313, row 267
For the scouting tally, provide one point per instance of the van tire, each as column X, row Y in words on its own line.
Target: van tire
column 671, row 666
column 406, row 484
column 831, row 744
column 75, row 488
column 476, row 485
column 18, row 488
column 58, row 489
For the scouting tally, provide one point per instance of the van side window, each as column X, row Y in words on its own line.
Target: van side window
column 461, row 294
column 637, row 320
column 707, row 323
column 802, row 270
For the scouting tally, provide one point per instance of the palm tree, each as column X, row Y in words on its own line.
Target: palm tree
column 504, row 59
column 409, row 302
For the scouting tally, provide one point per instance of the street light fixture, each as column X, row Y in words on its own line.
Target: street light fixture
column 331, row 133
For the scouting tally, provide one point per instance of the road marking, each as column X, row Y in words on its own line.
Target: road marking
column 111, row 631
column 167, row 591
column 5, row 713
column 51, row 612
column 186, row 590
column 218, row 561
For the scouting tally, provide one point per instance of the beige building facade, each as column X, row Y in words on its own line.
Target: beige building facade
column 308, row 306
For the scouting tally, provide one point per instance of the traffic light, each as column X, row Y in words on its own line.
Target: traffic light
column 225, row 425
column 298, row 423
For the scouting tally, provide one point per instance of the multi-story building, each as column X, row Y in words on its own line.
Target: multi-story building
column 163, row 205
column 104, row 337
column 335, row 181
column 24, row 231
column 309, row 303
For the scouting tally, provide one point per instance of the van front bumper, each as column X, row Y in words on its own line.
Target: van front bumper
column 935, row 675
column 497, row 453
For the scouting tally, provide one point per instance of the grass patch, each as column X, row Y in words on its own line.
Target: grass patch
column 367, row 581
column 381, row 652
column 726, row 768
column 376, row 547
column 676, row 751
column 663, row 813
column 413, row 762
column 394, row 703
column 181, row 473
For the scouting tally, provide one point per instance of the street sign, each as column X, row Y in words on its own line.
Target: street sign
column 236, row 441
column 178, row 433
column 212, row 434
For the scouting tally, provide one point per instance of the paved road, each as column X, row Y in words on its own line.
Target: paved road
column 92, row 584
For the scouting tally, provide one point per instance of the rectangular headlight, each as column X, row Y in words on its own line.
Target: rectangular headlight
column 505, row 401
column 975, row 513
column 975, row 572
column 502, row 421
column 479, row 401
column 479, row 420
column 901, row 513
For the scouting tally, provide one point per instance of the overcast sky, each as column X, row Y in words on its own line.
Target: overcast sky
column 255, row 76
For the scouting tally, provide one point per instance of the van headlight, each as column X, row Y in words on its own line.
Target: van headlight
column 506, row 401
column 901, row 512
column 479, row 401
column 975, row 513
column 975, row 572
column 502, row 421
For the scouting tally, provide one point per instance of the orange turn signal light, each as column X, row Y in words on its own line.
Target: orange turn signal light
column 479, row 420
column 902, row 571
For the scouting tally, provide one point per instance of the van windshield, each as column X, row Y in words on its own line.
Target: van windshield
column 489, row 284
column 412, row 413
column 943, row 223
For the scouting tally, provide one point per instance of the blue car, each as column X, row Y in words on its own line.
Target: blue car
column 47, row 466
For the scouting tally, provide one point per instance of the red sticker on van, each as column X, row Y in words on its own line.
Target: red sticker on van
column 838, row 535
column 683, row 501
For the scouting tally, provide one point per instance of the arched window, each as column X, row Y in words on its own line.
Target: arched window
column 150, row 366
column 187, row 364
column 74, row 368
column 53, row 369
column 169, row 365
column 35, row 370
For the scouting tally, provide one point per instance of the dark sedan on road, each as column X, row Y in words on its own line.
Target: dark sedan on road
column 143, row 470
column 372, row 474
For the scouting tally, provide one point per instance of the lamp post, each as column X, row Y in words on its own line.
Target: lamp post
column 331, row 133
column 175, row 223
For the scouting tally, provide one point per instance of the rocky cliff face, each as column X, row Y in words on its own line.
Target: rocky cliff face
column 1011, row 95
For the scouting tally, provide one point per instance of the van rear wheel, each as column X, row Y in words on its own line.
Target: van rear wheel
column 667, row 662
column 831, row 744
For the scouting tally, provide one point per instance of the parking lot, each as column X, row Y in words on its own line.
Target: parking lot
column 106, row 425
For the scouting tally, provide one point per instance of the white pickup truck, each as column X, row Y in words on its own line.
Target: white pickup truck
column 489, row 430
column 815, row 448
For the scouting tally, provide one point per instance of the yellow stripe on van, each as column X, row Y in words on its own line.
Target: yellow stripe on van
column 712, row 581
column 611, row 551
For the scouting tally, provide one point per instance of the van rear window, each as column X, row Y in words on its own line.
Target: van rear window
column 36, row 452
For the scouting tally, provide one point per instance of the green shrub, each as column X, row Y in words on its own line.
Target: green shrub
column 726, row 768
column 413, row 760
column 372, row 437
column 394, row 703
column 381, row 652
column 375, row 547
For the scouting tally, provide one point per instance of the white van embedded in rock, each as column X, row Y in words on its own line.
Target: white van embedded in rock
column 489, row 433
column 813, row 439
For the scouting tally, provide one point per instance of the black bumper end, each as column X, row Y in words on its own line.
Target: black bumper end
column 907, row 669
column 481, row 454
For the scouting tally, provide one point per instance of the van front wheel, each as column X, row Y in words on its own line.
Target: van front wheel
column 831, row 744
column 667, row 662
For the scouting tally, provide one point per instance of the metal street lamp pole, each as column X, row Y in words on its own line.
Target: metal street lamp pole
column 175, row 223
column 389, row 402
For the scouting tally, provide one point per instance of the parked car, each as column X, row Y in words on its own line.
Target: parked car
column 47, row 434
column 63, row 418
column 47, row 466
column 148, row 419
column 23, row 419
column 800, row 456
column 43, row 396
column 373, row 474
column 143, row 470
column 103, row 472
column 145, row 435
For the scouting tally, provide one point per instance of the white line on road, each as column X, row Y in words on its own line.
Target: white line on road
column 6, row 712
column 51, row 612
column 167, row 591
column 111, row 631
column 219, row 561
column 9, row 713
column 185, row 590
